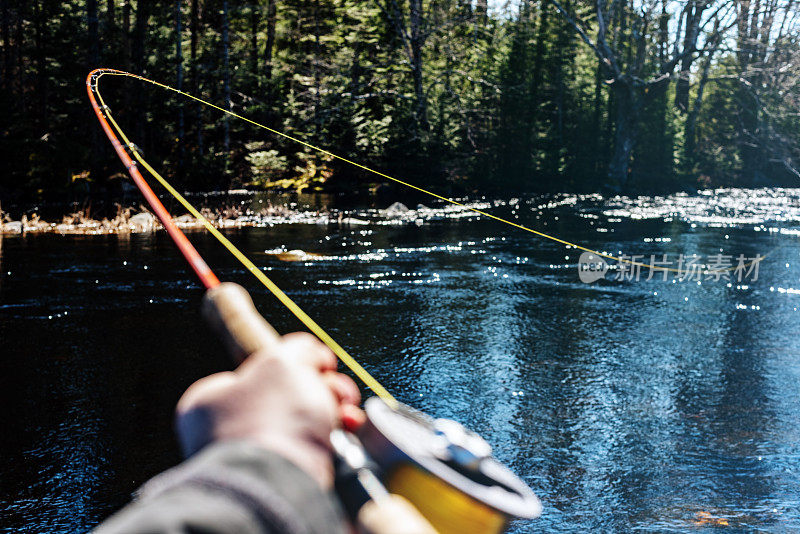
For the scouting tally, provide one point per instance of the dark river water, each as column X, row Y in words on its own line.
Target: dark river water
column 654, row 405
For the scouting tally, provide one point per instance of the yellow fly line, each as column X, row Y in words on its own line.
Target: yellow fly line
column 348, row 360
column 386, row 176
column 312, row 325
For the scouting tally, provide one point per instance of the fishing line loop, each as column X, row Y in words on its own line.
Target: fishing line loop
column 293, row 307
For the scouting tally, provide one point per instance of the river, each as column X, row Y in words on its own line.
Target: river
column 631, row 404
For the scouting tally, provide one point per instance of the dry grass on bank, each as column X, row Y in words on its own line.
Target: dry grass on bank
column 131, row 220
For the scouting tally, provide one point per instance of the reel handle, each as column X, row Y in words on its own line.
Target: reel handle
column 230, row 312
column 392, row 515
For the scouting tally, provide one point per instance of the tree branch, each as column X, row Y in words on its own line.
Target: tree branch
column 585, row 38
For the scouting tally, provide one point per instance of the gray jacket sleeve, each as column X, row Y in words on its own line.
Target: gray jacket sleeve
column 227, row 488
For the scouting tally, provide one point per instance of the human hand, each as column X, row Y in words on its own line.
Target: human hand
column 287, row 399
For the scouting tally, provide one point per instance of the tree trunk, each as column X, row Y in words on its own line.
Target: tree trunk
column 417, row 39
column 611, row 115
column 746, row 102
column 194, row 30
column 315, row 62
column 597, row 115
column 557, row 142
column 94, row 41
column 6, row 46
column 194, row 23
column 140, row 34
column 138, row 62
column 179, row 82
column 226, row 78
column 94, row 62
column 111, row 17
column 690, row 136
column 625, row 133
column 742, row 28
column 19, row 40
column 694, row 15
column 538, row 61
column 126, row 33
column 271, row 17
column 481, row 13
column 557, row 65
column 255, row 22
column 748, row 124
column 683, row 82
column 622, row 35
column 41, row 61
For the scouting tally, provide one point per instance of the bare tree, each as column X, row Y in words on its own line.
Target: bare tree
column 691, row 16
column 690, row 138
column 633, row 80
column 766, row 53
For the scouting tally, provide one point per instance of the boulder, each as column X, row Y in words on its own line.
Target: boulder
column 13, row 227
column 396, row 209
column 296, row 255
column 142, row 222
column 352, row 221
column 186, row 220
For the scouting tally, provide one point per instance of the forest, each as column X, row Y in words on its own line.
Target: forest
column 455, row 95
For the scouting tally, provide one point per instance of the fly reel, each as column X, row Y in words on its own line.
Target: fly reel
column 446, row 471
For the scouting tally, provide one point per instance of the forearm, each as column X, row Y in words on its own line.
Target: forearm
column 230, row 487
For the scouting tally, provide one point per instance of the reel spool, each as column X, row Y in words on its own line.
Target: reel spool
column 446, row 471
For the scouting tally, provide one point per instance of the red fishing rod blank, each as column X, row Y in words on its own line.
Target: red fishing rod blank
column 200, row 267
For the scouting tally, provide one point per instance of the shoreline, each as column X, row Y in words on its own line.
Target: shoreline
column 128, row 220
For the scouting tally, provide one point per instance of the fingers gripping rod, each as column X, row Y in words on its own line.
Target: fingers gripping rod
column 229, row 310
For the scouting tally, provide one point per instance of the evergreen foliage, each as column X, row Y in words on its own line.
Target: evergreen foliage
column 537, row 95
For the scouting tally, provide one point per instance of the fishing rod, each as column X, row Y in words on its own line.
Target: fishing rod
column 446, row 472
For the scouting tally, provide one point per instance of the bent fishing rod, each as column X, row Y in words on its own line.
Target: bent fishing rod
column 444, row 474
column 483, row 213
